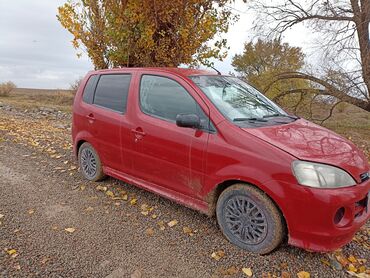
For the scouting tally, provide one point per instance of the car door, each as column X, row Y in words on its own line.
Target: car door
column 163, row 153
column 106, row 116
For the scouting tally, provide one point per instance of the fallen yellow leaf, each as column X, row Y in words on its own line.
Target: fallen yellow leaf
column 362, row 269
column 144, row 207
column 44, row 260
column 342, row 260
column 161, row 225
column 247, row 271
column 154, row 216
column 325, row 262
column 70, row 230
column 188, row 231
column 125, row 197
column 352, row 268
column 217, row 255
column 229, row 271
column 362, row 261
column 172, row 223
column 109, row 194
column 133, row 201
column 352, row 259
column 11, row 251
column 101, row 188
column 303, row 274
column 149, row 232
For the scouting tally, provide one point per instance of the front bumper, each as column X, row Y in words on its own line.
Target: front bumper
column 312, row 214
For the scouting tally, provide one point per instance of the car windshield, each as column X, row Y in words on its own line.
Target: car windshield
column 237, row 100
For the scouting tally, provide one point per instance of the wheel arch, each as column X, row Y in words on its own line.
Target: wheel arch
column 213, row 196
column 78, row 145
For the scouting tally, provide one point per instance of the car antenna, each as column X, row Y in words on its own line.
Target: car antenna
column 218, row 72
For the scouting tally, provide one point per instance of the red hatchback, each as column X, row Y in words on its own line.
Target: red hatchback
column 217, row 145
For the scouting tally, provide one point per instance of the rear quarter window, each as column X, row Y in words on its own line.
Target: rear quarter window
column 88, row 94
column 111, row 91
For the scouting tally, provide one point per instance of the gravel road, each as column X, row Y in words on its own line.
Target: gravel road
column 56, row 224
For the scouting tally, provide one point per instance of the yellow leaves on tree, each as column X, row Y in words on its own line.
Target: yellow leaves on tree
column 146, row 32
column 262, row 61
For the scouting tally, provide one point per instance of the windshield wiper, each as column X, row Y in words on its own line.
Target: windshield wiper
column 249, row 119
column 280, row 115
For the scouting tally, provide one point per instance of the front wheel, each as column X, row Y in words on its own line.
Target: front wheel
column 90, row 163
column 249, row 219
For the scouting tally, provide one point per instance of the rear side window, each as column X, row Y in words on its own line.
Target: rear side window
column 165, row 98
column 112, row 90
column 88, row 94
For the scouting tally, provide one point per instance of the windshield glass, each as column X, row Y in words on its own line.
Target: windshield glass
column 237, row 100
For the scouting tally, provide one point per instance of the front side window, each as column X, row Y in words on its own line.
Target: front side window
column 165, row 98
column 240, row 102
column 112, row 90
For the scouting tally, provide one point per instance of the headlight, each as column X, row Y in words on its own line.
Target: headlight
column 321, row 175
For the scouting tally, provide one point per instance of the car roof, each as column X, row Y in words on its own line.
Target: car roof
column 178, row 71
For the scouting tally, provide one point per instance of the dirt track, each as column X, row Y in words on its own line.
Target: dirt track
column 42, row 194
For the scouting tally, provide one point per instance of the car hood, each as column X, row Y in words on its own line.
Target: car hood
column 311, row 142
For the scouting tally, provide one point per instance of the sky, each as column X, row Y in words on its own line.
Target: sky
column 36, row 51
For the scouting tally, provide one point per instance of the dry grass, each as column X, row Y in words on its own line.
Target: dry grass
column 354, row 124
column 36, row 98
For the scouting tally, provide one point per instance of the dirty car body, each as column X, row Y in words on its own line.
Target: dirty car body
column 318, row 181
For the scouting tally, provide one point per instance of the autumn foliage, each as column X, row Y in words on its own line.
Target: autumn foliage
column 146, row 32
column 262, row 60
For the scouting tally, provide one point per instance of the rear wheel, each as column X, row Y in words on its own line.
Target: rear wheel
column 90, row 163
column 249, row 219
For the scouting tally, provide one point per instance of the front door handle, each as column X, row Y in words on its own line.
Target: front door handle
column 138, row 132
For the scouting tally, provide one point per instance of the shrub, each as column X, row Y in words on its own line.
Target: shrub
column 74, row 86
column 6, row 88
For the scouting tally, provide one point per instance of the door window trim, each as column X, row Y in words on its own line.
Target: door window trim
column 211, row 128
column 107, row 108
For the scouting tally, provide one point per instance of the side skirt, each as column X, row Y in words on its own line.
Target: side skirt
column 177, row 197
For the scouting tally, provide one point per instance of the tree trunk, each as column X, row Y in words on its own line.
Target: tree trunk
column 362, row 20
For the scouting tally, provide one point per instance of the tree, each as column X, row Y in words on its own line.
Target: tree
column 344, row 29
column 147, row 32
column 260, row 62
column 75, row 85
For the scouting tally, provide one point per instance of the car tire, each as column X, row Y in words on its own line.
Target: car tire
column 90, row 163
column 250, row 219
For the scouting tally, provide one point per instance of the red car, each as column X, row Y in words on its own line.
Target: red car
column 215, row 144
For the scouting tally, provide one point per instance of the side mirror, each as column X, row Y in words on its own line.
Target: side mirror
column 188, row 120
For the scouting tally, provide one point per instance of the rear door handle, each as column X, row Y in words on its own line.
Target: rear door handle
column 90, row 116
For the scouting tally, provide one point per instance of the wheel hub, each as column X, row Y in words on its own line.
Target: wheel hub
column 245, row 220
column 88, row 163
